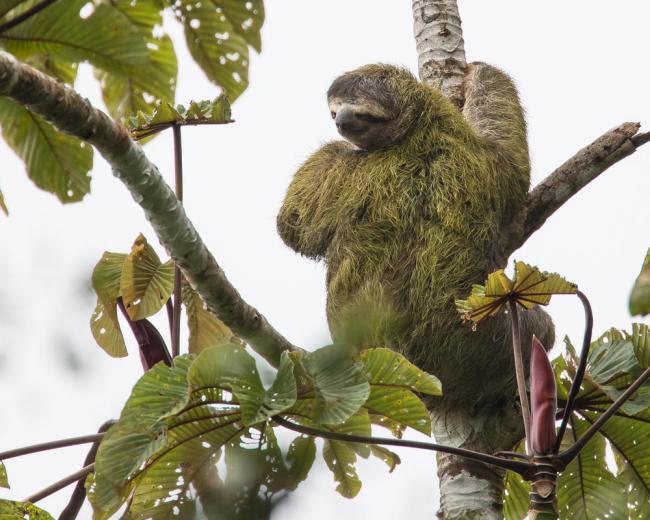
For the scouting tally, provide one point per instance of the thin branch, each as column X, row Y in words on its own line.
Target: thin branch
column 178, row 188
column 440, row 46
column 60, row 484
column 523, row 468
column 73, row 114
column 549, row 195
column 78, row 496
column 52, row 445
column 580, row 373
column 519, row 371
column 568, row 455
column 25, row 15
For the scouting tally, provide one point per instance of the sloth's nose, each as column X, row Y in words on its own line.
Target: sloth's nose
column 344, row 120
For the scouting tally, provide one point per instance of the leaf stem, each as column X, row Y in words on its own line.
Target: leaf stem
column 52, row 445
column 66, row 481
column 525, row 469
column 568, row 455
column 519, row 371
column 580, row 373
column 178, row 187
column 25, row 15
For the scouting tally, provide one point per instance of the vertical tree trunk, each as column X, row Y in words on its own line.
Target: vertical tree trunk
column 440, row 46
column 472, row 490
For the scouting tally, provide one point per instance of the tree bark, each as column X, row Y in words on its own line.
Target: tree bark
column 440, row 46
column 71, row 113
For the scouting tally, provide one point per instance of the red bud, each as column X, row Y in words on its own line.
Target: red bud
column 543, row 401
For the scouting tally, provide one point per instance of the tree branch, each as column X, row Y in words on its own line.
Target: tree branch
column 73, row 114
column 571, row 177
column 52, row 445
column 440, row 46
column 66, row 481
column 25, row 16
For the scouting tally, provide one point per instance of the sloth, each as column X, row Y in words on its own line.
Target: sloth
column 406, row 213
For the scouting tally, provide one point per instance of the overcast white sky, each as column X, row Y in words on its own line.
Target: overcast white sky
column 581, row 67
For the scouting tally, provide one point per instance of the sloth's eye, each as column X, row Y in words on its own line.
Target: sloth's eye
column 333, row 114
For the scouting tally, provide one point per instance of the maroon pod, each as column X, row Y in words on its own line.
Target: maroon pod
column 543, row 401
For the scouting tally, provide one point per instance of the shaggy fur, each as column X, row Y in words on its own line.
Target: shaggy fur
column 413, row 224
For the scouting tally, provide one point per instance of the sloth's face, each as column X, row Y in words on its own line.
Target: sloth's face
column 363, row 123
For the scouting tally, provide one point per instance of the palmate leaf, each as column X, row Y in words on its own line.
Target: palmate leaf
column 300, row 459
column 206, row 330
column 231, row 367
column 146, row 283
column 128, row 94
column 516, row 497
column 246, row 18
column 586, row 488
column 640, row 338
column 640, row 296
column 530, row 287
column 103, row 38
column 103, row 322
column 217, row 47
column 338, row 382
column 140, row 432
column 393, row 379
column 10, row 510
column 55, row 162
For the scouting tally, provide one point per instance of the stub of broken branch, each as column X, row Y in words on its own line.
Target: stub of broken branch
column 550, row 194
column 70, row 113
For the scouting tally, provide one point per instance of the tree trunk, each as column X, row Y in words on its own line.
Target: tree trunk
column 472, row 490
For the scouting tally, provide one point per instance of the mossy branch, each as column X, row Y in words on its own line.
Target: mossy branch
column 72, row 114
column 550, row 194
column 440, row 46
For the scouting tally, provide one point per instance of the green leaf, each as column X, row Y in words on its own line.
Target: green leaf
column 246, row 18
column 340, row 459
column 530, row 287
column 640, row 296
column 10, row 510
column 300, row 458
column 146, row 283
column 55, row 162
column 219, row 50
column 389, row 457
column 338, row 381
column 516, row 497
column 103, row 322
column 393, row 380
column 103, row 38
column 8, row 5
column 66, row 72
column 230, row 366
column 139, row 433
column 4, row 481
column 206, row 330
column 3, row 206
column 586, row 488
column 128, row 94
column 640, row 338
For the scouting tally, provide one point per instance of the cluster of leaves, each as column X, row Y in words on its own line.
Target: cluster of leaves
column 587, row 488
column 144, row 284
column 133, row 59
column 179, row 422
column 529, row 287
column 166, row 115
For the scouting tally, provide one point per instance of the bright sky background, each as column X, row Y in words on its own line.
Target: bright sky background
column 581, row 67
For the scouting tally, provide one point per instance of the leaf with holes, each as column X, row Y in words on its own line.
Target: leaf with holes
column 10, row 510
column 55, row 162
column 217, row 47
column 4, row 481
column 146, row 283
column 530, row 287
column 231, row 367
column 104, row 324
column 393, row 379
column 300, row 459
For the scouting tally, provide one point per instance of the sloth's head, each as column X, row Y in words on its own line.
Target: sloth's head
column 374, row 106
